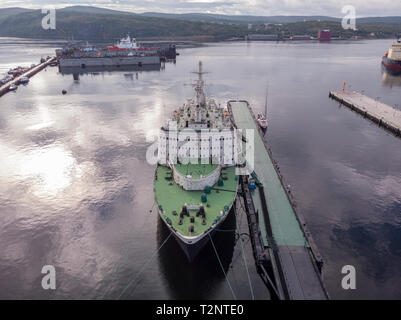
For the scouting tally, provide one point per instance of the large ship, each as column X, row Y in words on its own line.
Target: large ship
column 127, row 52
column 195, row 181
column 129, row 43
column 392, row 59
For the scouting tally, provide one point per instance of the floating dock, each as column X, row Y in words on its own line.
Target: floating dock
column 84, row 62
column 296, row 262
column 30, row 73
column 378, row 112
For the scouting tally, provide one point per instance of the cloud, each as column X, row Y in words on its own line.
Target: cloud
column 251, row 7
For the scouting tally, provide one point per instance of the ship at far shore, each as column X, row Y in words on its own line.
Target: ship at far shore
column 127, row 52
column 392, row 59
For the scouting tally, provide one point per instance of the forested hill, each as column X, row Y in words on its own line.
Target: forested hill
column 105, row 26
column 98, row 24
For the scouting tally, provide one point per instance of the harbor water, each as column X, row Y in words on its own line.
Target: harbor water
column 76, row 191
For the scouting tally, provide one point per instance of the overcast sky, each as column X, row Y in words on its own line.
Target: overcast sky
column 253, row 7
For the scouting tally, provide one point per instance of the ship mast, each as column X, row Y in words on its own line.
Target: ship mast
column 200, row 93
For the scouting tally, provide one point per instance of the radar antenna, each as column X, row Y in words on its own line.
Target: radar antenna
column 199, row 85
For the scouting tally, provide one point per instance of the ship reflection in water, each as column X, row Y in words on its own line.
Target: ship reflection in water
column 96, row 70
column 75, row 186
column 202, row 277
column 391, row 79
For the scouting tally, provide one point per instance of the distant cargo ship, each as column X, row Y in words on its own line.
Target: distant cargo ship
column 127, row 52
column 392, row 59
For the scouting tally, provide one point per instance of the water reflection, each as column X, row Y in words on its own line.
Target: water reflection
column 97, row 70
column 52, row 168
column 201, row 278
column 391, row 80
column 75, row 184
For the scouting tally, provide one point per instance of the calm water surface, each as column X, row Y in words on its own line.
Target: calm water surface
column 76, row 190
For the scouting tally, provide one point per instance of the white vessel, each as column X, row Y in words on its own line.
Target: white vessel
column 126, row 43
column 24, row 80
column 195, row 181
column 262, row 120
column 129, row 44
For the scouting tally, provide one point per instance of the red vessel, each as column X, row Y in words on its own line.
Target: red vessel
column 324, row 35
column 392, row 59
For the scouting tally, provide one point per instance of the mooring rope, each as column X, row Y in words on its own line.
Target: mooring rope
column 222, row 268
column 246, row 267
column 265, row 272
column 117, row 267
column 238, row 217
column 144, row 267
column 243, row 210
column 165, row 241
column 225, row 230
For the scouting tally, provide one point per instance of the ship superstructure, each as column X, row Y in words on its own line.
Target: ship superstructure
column 127, row 52
column 126, row 44
column 195, row 182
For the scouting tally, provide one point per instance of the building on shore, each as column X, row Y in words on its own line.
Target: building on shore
column 262, row 37
column 324, row 35
column 301, row 37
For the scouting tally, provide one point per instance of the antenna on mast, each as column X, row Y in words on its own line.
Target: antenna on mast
column 199, row 85
column 200, row 71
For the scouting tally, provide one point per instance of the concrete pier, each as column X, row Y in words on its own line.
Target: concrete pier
column 30, row 73
column 378, row 112
column 287, row 238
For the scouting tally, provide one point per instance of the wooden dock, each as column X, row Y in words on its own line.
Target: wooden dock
column 30, row 73
column 378, row 112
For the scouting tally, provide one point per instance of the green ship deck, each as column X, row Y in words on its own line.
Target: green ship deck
column 195, row 170
column 171, row 197
column 300, row 276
